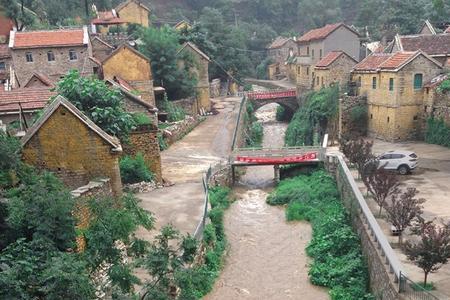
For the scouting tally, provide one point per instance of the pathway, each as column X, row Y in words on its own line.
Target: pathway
column 184, row 163
column 267, row 258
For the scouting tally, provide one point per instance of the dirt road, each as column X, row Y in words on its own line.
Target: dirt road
column 266, row 260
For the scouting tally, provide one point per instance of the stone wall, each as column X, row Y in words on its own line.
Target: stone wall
column 144, row 140
column 54, row 69
column 348, row 127
column 189, row 105
column 439, row 107
column 179, row 129
column 214, row 88
column 382, row 281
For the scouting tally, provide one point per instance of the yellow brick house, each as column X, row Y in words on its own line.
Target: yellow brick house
column 135, row 12
column 393, row 84
column 335, row 67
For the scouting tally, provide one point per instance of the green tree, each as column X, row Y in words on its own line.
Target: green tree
column 102, row 104
column 9, row 159
column 17, row 11
column 161, row 46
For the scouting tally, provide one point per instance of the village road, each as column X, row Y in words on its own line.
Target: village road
column 184, row 163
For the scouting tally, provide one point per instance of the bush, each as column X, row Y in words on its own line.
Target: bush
column 134, row 170
column 141, row 119
column 174, row 112
column 261, row 69
column 338, row 263
column 437, row 132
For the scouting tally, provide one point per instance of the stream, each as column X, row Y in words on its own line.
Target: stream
column 266, row 257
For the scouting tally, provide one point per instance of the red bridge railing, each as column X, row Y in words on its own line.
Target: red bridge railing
column 267, row 95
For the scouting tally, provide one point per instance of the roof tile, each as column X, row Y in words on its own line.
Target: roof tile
column 397, row 60
column 29, row 98
column 321, row 33
column 330, row 58
column 431, row 44
column 372, row 62
column 51, row 38
column 4, row 51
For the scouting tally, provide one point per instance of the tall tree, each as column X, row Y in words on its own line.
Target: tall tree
column 18, row 12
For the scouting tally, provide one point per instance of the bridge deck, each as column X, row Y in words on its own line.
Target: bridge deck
column 273, row 94
column 278, row 156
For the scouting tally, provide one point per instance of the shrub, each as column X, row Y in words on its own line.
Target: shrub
column 338, row 263
column 134, row 170
column 141, row 119
column 437, row 132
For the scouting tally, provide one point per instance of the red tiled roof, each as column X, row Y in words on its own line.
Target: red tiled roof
column 29, row 98
column 278, row 42
column 4, row 51
column 36, row 39
column 323, row 32
column 431, row 44
column 372, row 62
column 107, row 18
column 396, row 60
column 331, row 58
column 42, row 78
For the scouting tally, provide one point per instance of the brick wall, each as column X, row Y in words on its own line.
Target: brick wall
column 100, row 50
column 179, row 129
column 134, row 13
column 144, row 140
column 145, row 89
column 338, row 72
column 214, row 88
column 67, row 147
column 54, row 69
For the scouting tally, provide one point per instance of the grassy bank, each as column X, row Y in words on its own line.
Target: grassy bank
column 199, row 280
column 254, row 131
column 338, row 263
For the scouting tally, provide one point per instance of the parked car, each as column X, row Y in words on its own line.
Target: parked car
column 402, row 161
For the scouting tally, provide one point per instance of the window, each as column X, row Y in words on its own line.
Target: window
column 50, row 56
column 322, row 81
column 391, row 84
column 388, row 119
column 371, row 116
column 29, row 57
column 415, row 118
column 320, row 54
column 374, row 83
column 73, row 55
column 317, row 80
column 307, row 50
column 418, row 81
column 307, row 70
column 312, row 53
column 2, row 65
column 359, row 81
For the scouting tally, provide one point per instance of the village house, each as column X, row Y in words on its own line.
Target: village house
column 427, row 28
column 435, row 45
column 105, row 20
column 133, row 67
column 182, row 25
column 201, row 72
column 317, row 43
column 21, row 105
column 67, row 143
column 334, row 68
column 134, row 12
column 100, row 49
column 436, row 103
column 5, row 65
column 52, row 53
column 393, row 84
column 278, row 52
column 301, row 72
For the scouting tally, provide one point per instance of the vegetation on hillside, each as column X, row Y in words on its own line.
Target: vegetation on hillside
column 437, row 132
column 311, row 120
column 338, row 261
column 253, row 131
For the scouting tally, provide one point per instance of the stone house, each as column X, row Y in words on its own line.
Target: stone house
column 201, row 72
column 427, row 28
column 182, row 25
column 100, row 49
column 317, row 43
column 335, row 67
column 52, row 53
column 5, row 65
column 435, row 45
column 39, row 80
column 65, row 142
column 301, row 70
column 134, row 11
column 279, row 51
column 105, row 20
column 133, row 67
column 21, row 105
column 393, row 84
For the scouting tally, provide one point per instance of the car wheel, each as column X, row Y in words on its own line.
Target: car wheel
column 403, row 170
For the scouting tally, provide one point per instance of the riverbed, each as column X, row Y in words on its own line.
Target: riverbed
column 266, row 257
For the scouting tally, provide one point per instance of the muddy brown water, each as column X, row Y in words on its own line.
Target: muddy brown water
column 266, row 257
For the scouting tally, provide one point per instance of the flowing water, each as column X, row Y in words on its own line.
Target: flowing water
column 267, row 258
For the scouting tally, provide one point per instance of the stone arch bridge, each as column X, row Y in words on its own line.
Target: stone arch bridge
column 285, row 98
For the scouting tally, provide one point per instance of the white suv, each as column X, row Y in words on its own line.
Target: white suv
column 402, row 161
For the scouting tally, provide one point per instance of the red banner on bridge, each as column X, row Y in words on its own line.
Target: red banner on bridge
column 265, row 95
column 312, row 156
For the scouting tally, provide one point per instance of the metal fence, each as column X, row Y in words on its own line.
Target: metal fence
column 201, row 225
column 414, row 291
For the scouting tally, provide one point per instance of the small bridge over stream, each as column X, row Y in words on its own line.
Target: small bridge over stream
column 286, row 98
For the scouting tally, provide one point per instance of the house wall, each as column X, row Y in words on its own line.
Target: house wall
column 133, row 68
column 76, row 154
column 344, row 40
column 4, row 74
column 134, row 13
column 338, row 71
column 99, row 50
column 279, row 55
column 403, row 106
column 54, row 69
